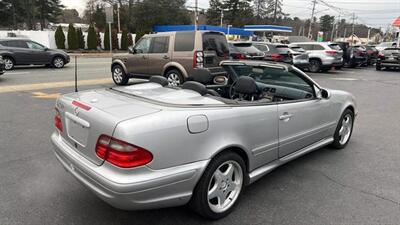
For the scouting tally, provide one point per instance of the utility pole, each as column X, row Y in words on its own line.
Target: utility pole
column 312, row 18
column 352, row 35
column 337, row 27
column 119, row 23
column 275, row 10
column 195, row 14
column 222, row 16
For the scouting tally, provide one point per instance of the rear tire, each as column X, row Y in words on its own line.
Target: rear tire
column 8, row 63
column 119, row 76
column 174, row 78
column 220, row 187
column 378, row 67
column 315, row 66
column 344, row 130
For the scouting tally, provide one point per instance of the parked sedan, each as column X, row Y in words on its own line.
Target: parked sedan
column 121, row 142
column 1, row 65
column 389, row 58
column 282, row 53
column 244, row 50
column 16, row 51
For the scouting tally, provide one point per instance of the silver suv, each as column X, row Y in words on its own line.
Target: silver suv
column 323, row 55
column 174, row 55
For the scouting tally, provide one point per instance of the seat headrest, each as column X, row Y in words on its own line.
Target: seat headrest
column 202, row 75
column 195, row 86
column 159, row 80
column 246, row 85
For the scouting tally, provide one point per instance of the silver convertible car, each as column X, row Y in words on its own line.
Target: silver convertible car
column 149, row 145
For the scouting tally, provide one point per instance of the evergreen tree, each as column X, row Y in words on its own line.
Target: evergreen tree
column 114, row 39
column 326, row 24
column 124, row 40
column 80, row 38
column 47, row 10
column 60, row 38
column 260, row 9
column 130, row 40
column 72, row 38
column 274, row 9
column 106, row 39
column 238, row 12
column 92, row 38
column 214, row 12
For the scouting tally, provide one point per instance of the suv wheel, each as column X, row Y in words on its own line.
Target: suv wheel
column 119, row 76
column 315, row 65
column 174, row 78
column 58, row 62
column 8, row 63
column 220, row 186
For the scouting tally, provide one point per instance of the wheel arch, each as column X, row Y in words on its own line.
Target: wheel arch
column 176, row 66
column 119, row 63
column 58, row 55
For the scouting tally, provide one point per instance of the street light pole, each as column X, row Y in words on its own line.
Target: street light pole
column 222, row 16
column 195, row 14
column 312, row 18
column 119, row 23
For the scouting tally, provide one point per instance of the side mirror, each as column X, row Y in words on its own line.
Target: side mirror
column 45, row 49
column 325, row 94
column 321, row 93
column 131, row 50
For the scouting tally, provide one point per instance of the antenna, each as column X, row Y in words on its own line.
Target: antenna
column 76, row 73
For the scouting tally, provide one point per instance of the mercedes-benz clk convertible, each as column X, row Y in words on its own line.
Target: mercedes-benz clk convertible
column 149, row 145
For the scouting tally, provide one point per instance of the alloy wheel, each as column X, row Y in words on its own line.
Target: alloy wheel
column 345, row 130
column 8, row 64
column 225, row 186
column 117, row 74
column 173, row 79
column 58, row 62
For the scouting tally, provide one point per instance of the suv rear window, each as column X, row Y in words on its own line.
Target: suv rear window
column 245, row 47
column 282, row 49
column 215, row 42
column 262, row 48
column 335, row 47
column 184, row 41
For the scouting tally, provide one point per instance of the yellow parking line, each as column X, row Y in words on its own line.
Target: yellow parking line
column 43, row 95
column 32, row 87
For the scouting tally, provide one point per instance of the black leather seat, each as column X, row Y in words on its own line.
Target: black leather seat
column 159, row 80
column 204, row 77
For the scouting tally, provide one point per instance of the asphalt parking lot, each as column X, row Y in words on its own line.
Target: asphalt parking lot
column 357, row 185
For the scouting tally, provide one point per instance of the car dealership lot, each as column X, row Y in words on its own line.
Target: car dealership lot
column 357, row 185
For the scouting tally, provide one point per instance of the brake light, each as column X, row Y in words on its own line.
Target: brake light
column 198, row 59
column 81, row 105
column 239, row 56
column 381, row 55
column 331, row 52
column 120, row 153
column 276, row 57
column 57, row 121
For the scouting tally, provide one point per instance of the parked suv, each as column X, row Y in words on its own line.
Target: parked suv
column 1, row 65
column 245, row 50
column 174, row 55
column 353, row 56
column 282, row 53
column 389, row 58
column 323, row 55
column 17, row 51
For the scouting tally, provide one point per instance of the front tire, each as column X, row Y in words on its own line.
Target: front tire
column 119, row 76
column 58, row 62
column 174, row 78
column 344, row 130
column 220, row 186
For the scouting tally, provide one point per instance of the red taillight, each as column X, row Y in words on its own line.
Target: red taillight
column 238, row 56
column 331, row 52
column 120, row 153
column 276, row 57
column 81, row 105
column 198, row 59
column 57, row 121
column 381, row 55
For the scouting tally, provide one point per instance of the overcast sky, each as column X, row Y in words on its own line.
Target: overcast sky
column 376, row 13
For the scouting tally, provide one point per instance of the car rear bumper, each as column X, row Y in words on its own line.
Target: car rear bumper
column 135, row 189
column 332, row 62
column 391, row 64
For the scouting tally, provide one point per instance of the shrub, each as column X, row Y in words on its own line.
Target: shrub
column 60, row 38
column 92, row 38
column 124, row 40
column 72, row 39
column 106, row 39
column 80, row 38
column 114, row 38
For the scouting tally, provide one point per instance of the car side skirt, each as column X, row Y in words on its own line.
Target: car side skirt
column 261, row 171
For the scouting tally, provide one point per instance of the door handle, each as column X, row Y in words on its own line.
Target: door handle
column 285, row 116
column 165, row 57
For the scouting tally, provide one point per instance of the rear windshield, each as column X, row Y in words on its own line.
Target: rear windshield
column 282, row 49
column 297, row 49
column 262, row 48
column 245, row 47
column 335, row 47
column 184, row 41
column 215, row 42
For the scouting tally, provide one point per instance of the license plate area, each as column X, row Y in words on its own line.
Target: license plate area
column 77, row 129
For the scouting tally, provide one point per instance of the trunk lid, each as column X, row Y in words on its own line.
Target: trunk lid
column 87, row 115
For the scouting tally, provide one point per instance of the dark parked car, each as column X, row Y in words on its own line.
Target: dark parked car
column 353, row 56
column 1, row 65
column 372, row 54
column 17, row 51
column 244, row 50
column 389, row 58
